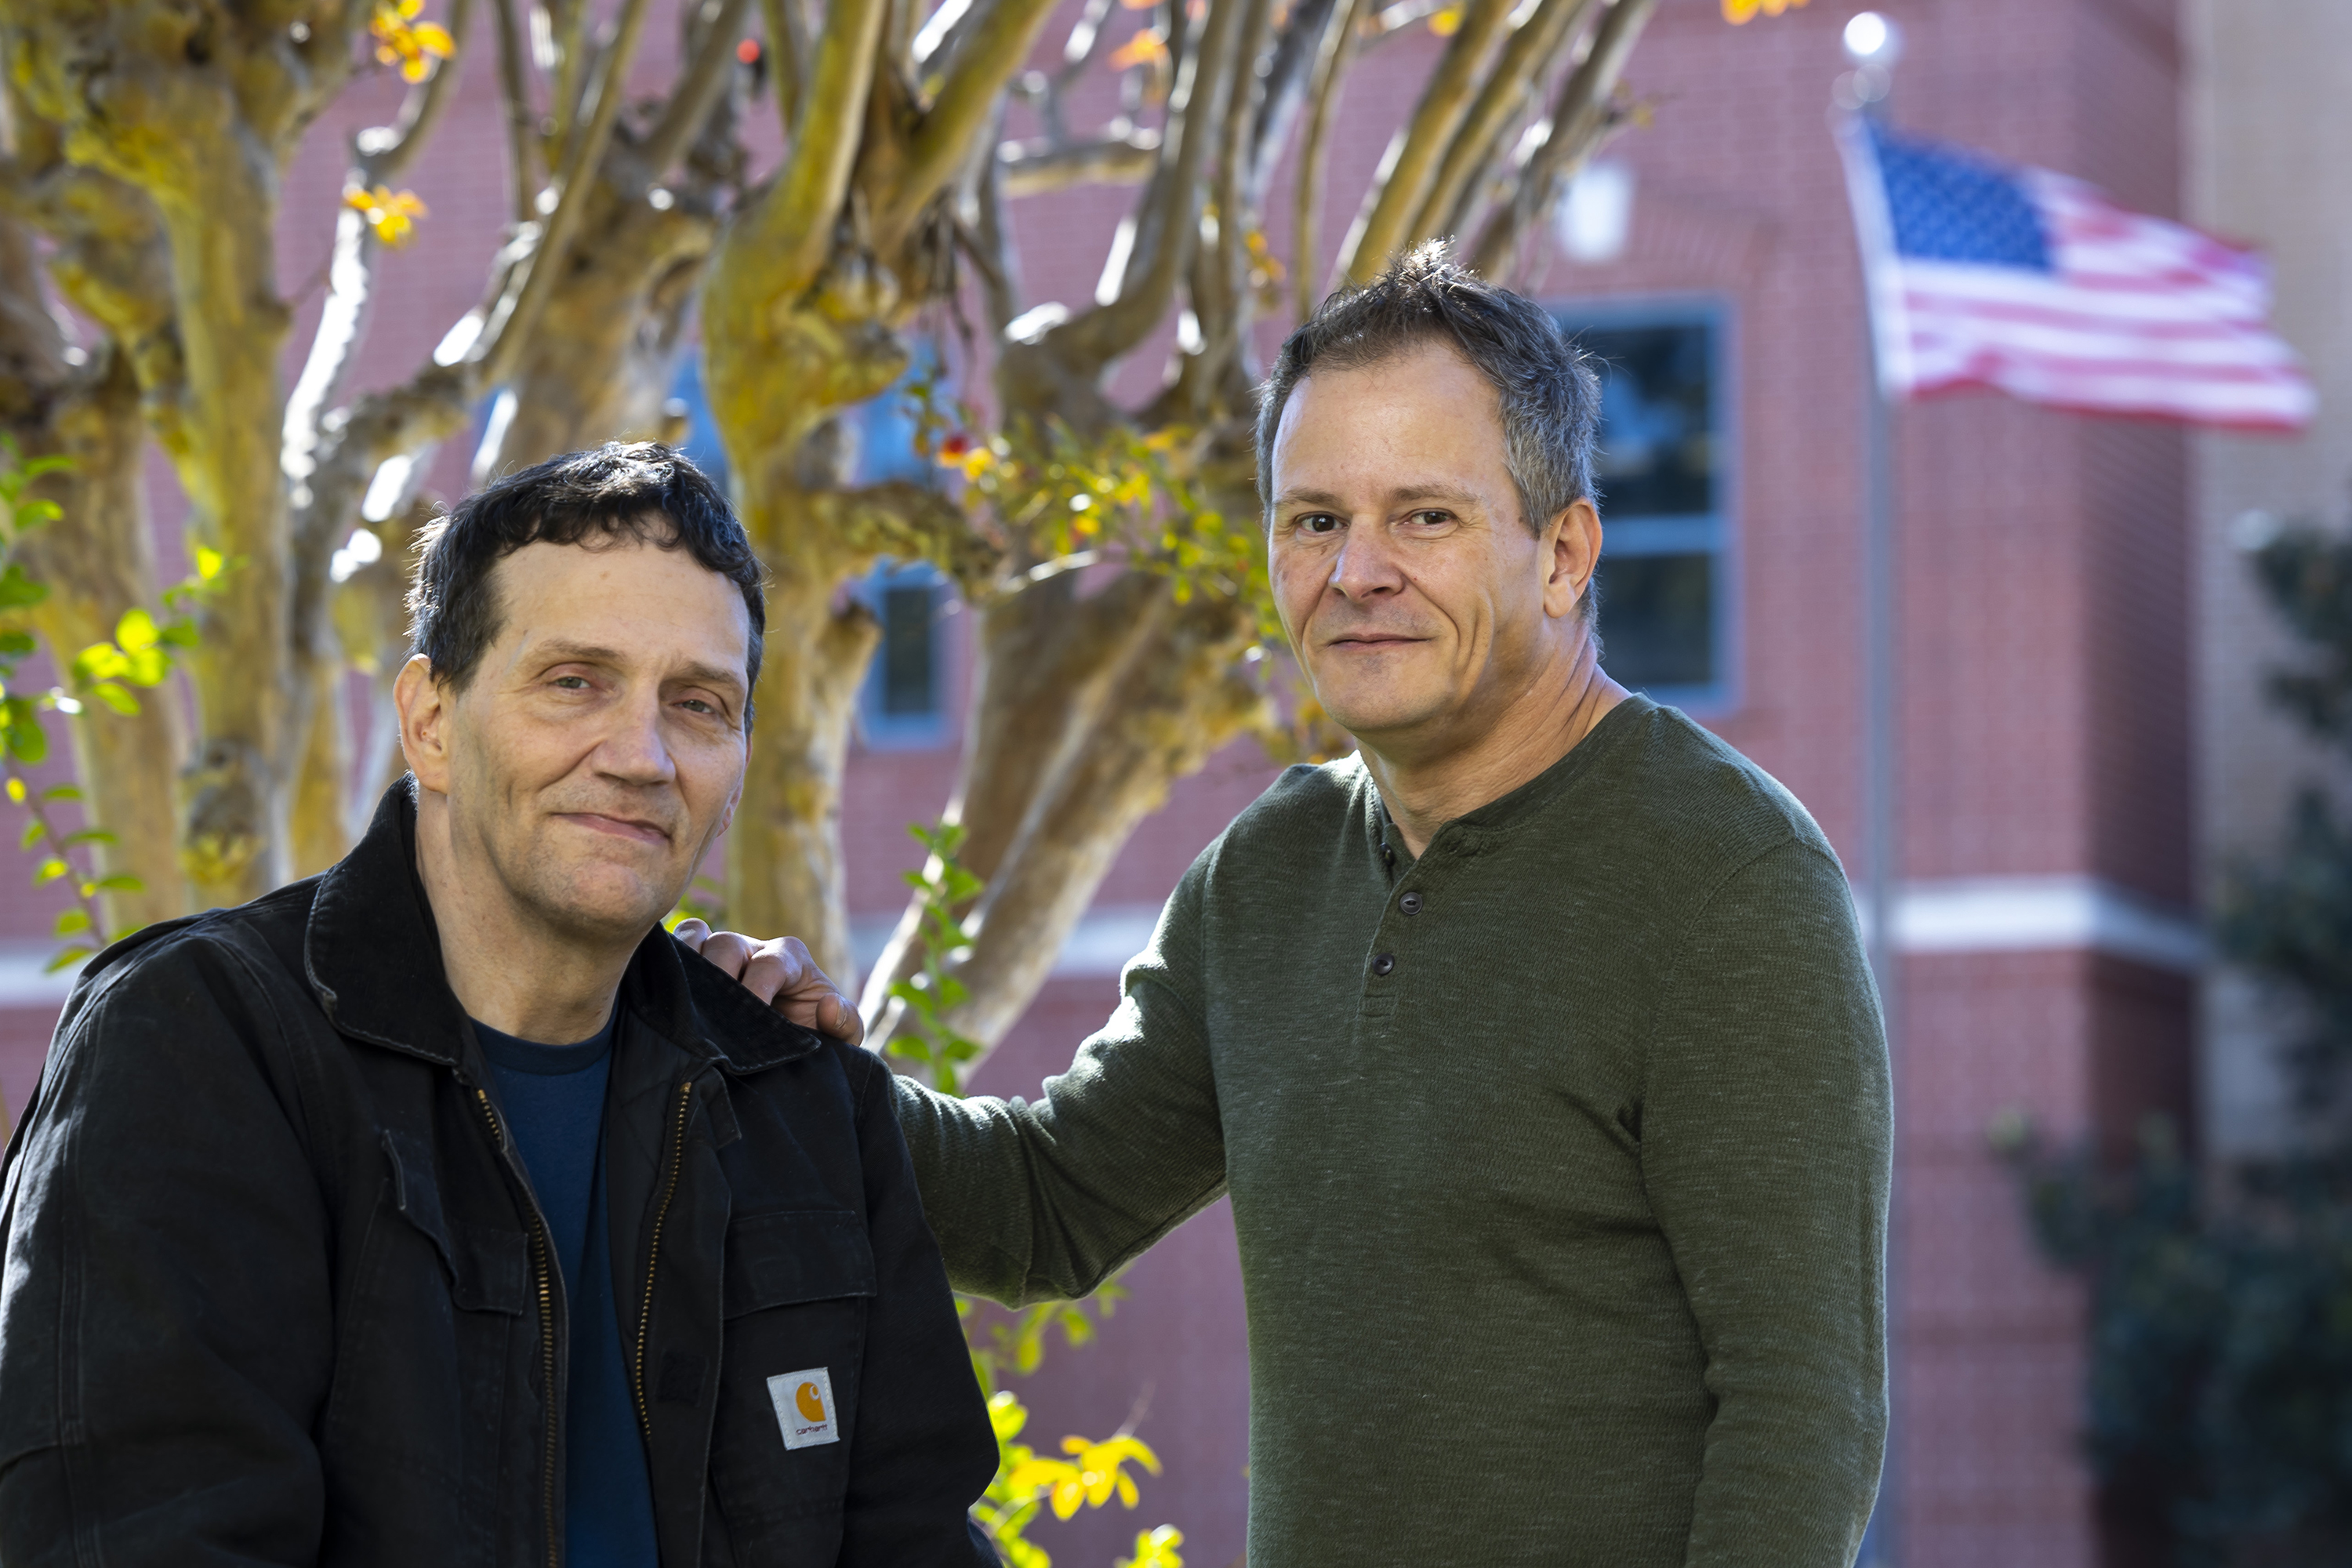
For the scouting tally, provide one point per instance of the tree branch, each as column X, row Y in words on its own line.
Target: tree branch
column 788, row 40
column 1331, row 62
column 385, row 152
column 1033, row 168
column 789, row 232
column 1166, row 227
column 1397, row 192
column 1283, row 92
column 514, row 98
column 966, row 106
column 1529, row 55
column 502, row 338
column 697, row 92
column 1578, row 120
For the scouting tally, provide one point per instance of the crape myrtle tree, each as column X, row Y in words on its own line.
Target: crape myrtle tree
column 2219, row 1391
column 146, row 147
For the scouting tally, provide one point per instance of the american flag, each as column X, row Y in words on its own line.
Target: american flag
column 1982, row 274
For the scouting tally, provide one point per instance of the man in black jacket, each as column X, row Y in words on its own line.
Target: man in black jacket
column 441, row 1209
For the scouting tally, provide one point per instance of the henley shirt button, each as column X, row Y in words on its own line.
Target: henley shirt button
column 1383, row 963
column 1410, row 903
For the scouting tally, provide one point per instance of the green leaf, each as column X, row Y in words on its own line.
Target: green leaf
column 120, row 882
column 148, row 667
column 66, row 958
column 28, row 742
column 50, row 870
column 90, row 836
column 72, row 920
column 181, row 633
column 99, row 661
column 56, row 792
column 116, row 697
column 16, row 644
column 17, row 591
column 136, row 630
column 34, row 513
column 33, row 833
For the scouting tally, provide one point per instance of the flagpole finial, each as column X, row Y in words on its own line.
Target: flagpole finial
column 1872, row 39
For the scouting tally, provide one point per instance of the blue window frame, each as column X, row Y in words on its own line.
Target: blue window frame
column 1667, row 615
column 903, row 704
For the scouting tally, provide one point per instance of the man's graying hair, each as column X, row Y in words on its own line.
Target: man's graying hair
column 1551, row 397
column 622, row 492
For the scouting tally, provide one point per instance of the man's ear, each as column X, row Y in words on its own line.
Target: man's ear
column 1574, row 547
column 424, row 717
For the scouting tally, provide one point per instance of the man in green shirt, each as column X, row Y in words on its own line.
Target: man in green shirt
column 1534, row 1043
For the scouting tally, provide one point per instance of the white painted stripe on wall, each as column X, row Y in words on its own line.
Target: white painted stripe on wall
column 1963, row 914
column 2040, row 914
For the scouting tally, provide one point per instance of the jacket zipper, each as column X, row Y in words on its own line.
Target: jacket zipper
column 653, row 1257
column 546, row 1323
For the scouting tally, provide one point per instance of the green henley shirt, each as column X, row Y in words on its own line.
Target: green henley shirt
column 1558, row 1161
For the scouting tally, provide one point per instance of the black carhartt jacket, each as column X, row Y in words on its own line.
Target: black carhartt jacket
column 276, row 1291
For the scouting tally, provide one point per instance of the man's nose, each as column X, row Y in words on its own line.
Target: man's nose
column 634, row 748
column 1367, row 564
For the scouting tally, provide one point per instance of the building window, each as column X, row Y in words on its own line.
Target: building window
column 1663, row 579
column 903, row 704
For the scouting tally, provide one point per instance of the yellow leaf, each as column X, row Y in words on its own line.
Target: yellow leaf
column 1739, row 11
column 1147, row 47
column 1446, row 23
column 209, row 563
column 16, row 790
column 135, row 631
column 1067, row 1495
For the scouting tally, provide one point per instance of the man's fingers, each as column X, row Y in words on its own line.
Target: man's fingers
column 693, row 933
column 782, row 975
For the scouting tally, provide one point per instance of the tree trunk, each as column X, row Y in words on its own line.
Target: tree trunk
column 784, row 853
column 602, row 360
column 98, row 562
column 1172, row 697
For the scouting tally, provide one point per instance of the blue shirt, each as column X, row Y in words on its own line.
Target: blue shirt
column 553, row 1097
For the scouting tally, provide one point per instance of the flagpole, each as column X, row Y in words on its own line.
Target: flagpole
column 1873, row 45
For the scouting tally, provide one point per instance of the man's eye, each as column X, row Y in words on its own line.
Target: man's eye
column 699, row 706
column 1433, row 519
column 572, row 682
column 1318, row 523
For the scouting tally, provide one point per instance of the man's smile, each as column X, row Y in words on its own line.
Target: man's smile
column 638, row 830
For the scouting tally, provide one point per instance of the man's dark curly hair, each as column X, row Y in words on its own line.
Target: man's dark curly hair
column 1550, row 396
column 639, row 491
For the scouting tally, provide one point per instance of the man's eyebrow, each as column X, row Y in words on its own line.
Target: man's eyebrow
column 1435, row 492
column 712, row 675
column 1308, row 497
column 1453, row 494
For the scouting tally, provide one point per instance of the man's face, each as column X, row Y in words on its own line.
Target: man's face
column 1418, row 603
column 599, row 747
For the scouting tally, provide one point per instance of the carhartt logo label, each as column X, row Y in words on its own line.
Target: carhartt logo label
column 803, row 1402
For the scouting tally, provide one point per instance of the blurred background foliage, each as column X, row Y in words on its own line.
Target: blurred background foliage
column 2219, row 1401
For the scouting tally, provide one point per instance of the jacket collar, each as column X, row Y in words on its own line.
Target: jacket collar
column 373, row 956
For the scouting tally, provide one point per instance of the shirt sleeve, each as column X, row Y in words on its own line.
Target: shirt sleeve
column 1765, row 1132
column 1046, row 1201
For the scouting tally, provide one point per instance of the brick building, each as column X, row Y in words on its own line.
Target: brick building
column 2046, row 927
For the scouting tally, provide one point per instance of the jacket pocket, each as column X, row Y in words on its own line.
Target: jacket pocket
column 795, row 1296
column 489, row 1270
column 431, row 1327
column 800, row 1255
